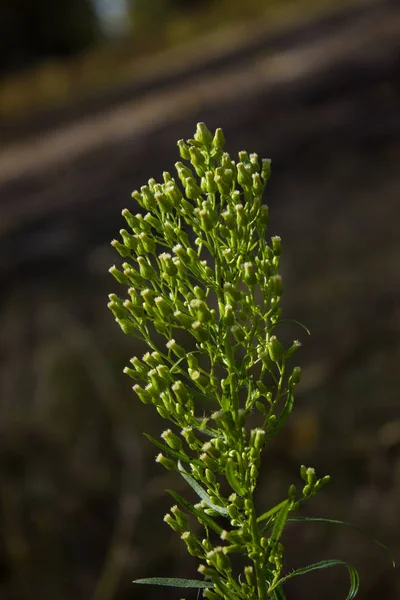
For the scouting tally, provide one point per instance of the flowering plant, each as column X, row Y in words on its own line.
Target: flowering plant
column 198, row 266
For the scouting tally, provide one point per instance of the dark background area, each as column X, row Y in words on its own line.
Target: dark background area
column 317, row 90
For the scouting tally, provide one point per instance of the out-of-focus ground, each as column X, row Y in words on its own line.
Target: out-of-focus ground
column 81, row 499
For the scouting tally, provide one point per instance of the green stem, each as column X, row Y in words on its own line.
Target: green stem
column 258, row 565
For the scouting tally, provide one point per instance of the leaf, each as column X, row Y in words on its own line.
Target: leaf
column 201, row 516
column 280, row 521
column 287, row 409
column 324, row 564
column 200, row 492
column 271, row 512
column 232, row 478
column 168, row 450
column 296, row 322
column 175, row 582
column 337, row 522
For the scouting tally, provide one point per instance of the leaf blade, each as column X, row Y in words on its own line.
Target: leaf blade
column 325, row 564
column 175, row 582
column 202, row 494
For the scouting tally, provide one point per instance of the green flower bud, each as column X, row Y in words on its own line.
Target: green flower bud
column 322, row 483
column 207, row 572
column 203, row 135
column 139, row 366
column 198, row 378
column 249, row 273
column 192, row 190
column 253, row 473
column 149, row 201
column 219, row 559
column 241, row 216
column 192, row 544
column 121, row 249
column 156, row 381
column 219, row 139
column 257, row 438
column 163, row 306
column 138, row 197
column 275, row 283
column 201, row 310
column 266, row 169
column 183, row 150
column 184, row 319
column 311, row 476
column 198, row 160
column 161, row 328
column 167, row 265
column 209, row 182
column 303, row 473
column 132, row 373
column 292, row 492
column 153, row 222
column 230, row 219
column 172, row 440
column 173, row 523
column 120, row 277
column 210, row 595
column 295, row 377
column 183, row 172
column 181, row 392
column 143, row 394
column 166, row 462
column 173, row 193
column 254, row 161
column 245, row 175
column 200, row 332
column 224, row 178
column 295, row 346
column 307, row 491
column 238, row 333
column 275, row 349
column 249, row 574
column 229, row 315
column 176, row 349
column 145, row 268
column 206, row 221
column 258, row 186
column 276, row 245
column 153, row 359
column 264, row 215
column 191, row 440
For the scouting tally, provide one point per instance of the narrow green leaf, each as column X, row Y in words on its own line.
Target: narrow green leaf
column 324, row 564
column 338, row 522
column 173, row 453
column 280, row 521
column 271, row 512
column 287, row 409
column 202, row 516
column 232, row 478
column 200, row 492
column 175, row 582
column 296, row 323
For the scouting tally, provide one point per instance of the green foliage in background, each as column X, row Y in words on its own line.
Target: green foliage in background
column 198, row 265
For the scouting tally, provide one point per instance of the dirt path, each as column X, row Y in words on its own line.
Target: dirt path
column 363, row 36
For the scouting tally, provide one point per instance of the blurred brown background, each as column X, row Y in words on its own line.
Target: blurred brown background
column 93, row 96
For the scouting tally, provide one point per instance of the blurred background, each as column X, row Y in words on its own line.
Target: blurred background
column 94, row 95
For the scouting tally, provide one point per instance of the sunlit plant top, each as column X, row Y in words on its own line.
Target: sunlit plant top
column 203, row 292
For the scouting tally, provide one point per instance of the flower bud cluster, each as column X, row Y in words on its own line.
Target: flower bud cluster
column 221, row 288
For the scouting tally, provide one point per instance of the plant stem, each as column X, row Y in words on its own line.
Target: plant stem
column 255, row 532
